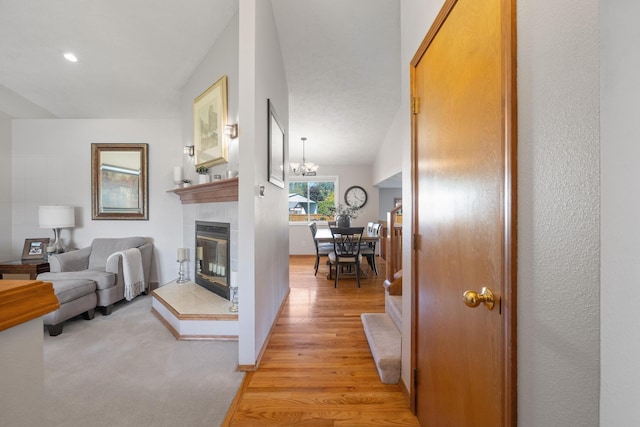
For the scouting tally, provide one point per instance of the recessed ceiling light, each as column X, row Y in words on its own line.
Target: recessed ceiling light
column 71, row 57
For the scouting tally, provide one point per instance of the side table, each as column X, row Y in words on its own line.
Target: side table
column 27, row 269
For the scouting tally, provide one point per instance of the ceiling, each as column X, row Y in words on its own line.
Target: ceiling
column 341, row 59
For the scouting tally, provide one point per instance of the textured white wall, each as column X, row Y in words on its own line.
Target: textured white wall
column 22, row 373
column 620, row 207
column 558, row 218
column 5, row 188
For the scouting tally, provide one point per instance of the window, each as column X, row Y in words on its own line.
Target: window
column 311, row 200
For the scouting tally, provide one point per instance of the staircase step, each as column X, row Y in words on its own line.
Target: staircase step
column 393, row 307
column 385, row 343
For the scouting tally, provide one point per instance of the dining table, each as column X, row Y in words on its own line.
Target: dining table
column 323, row 235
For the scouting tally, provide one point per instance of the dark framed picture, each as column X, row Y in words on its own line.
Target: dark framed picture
column 35, row 248
column 276, row 147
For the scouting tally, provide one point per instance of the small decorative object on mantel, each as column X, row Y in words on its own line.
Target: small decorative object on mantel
column 186, row 182
column 344, row 214
column 203, row 174
column 178, row 176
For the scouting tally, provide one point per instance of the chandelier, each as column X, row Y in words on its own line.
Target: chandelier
column 304, row 169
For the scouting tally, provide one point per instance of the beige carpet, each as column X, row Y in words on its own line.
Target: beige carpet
column 126, row 369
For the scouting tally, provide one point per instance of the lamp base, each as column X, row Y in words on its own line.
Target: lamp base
column 58, row 247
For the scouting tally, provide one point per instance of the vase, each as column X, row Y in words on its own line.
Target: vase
column 343, row 221
column 203, row 178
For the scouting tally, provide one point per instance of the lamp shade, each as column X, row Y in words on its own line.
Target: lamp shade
column 56, row 217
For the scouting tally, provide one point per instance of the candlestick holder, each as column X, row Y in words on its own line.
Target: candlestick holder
column 182, row 274
column 234, row 299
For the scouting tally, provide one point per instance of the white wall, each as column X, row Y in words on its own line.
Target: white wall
column 620, row 210
column 263, row 230
column 22, row 373
column 388, row 161
column 387, row 201
column 220, row 60
column 300, row 242
column 51, row 164
column 558, row 218
column 5, row 188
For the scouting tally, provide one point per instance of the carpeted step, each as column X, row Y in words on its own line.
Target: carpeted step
column 385, row 344
column 393, row 307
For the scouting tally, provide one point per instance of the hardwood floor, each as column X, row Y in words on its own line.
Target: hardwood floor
column 317, row 369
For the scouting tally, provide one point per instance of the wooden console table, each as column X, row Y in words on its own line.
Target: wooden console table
column 30, row 268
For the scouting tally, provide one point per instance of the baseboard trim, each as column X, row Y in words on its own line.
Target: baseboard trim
column 181, row 337
column 407, row 394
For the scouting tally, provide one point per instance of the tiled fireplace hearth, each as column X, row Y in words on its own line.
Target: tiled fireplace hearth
column 192, row 312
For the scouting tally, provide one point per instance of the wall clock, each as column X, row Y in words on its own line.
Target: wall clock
column 355, row 196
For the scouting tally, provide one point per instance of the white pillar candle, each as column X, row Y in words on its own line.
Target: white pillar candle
column 199, row 252
column 223, row 270
column 177, row 174
column 210, row 267
column 182, row 254
column 234, row 278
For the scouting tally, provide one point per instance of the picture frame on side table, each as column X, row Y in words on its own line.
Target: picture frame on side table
column 35, row 248
column 209, row 120
column 276, row 138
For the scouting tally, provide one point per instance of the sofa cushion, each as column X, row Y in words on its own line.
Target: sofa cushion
column 101, row 249
column 102, row 279
column 69, row 290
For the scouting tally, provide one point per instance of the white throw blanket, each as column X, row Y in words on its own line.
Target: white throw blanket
column 132, row 272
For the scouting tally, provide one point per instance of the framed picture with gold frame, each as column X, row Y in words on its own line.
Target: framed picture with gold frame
column 209, row 120
column 35, row 248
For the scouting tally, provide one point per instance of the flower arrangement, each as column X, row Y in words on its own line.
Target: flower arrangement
column 344, row 211
column 202, row 170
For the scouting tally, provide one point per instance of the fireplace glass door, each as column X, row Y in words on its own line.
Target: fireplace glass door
column 212, row 257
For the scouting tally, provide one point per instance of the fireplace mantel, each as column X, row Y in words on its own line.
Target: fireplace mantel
column 225, row 190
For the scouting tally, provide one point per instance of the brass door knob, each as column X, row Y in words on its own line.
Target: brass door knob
column 472, row 299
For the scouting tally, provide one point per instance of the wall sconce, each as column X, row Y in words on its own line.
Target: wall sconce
column 231, row 130
column 189, row 150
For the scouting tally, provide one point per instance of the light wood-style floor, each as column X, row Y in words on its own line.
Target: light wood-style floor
column 317, row 369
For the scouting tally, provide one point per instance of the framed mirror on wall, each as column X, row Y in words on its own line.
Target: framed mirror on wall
column 119, row 183
column 276, row 138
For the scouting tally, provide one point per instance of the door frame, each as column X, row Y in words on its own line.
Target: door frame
column 510, row 132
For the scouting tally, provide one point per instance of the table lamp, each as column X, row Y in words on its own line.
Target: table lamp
column 56, row 217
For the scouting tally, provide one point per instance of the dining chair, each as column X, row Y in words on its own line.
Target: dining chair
column 368, row 249
column 332, row 223
column 322, row 249
column 346, row 251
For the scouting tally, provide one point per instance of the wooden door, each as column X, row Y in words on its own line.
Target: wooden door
column 464, row 138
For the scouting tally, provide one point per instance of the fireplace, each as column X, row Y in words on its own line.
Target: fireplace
column 212, row 269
